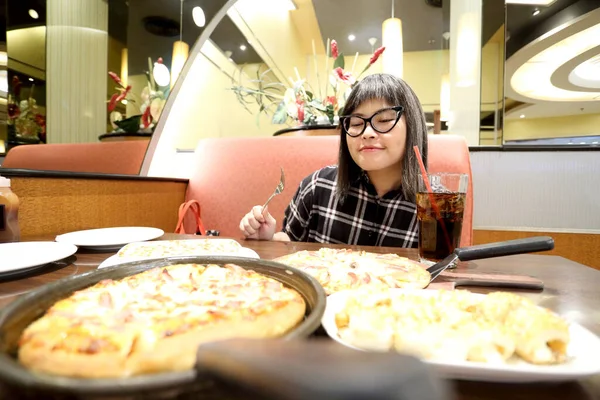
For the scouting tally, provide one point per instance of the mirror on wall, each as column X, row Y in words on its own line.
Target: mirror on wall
column 493, row 38
column 552, row 80
column 23, row 78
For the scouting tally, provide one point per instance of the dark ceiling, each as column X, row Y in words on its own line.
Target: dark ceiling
column 521, row 23
column 422, row 26
column 149, row 27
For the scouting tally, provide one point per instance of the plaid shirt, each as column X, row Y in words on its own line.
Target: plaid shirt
column 315, row 214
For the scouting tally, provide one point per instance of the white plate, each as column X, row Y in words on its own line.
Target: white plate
column 101, row 239
column 583, row 352
column 19, row 257
column 116, row 260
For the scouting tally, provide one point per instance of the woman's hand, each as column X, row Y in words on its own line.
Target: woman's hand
column 258, row 224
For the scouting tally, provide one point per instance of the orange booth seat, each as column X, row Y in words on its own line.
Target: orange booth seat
column 231, row 175
column 105, row 157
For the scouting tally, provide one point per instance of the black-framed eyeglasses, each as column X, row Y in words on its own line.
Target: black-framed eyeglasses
column 382, row 121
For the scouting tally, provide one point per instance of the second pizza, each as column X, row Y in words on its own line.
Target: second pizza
column 343, row 269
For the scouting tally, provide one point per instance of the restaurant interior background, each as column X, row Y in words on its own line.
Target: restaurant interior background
column 513, row 79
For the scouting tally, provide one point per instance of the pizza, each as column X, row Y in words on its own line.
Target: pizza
column 343, row 269
column 454, row 326
column 167, row 248
column 154, row 321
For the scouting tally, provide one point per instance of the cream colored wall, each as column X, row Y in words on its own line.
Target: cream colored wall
column 542, row 128
column 422, row 71
column 206, row 108
column 279, row 43
column 27, row 49
column 492, row 63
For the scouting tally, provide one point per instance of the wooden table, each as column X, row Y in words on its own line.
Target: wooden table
column 571, row 289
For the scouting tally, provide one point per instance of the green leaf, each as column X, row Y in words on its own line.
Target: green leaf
column 131, row 124
column 339, row 62
column 280, row 115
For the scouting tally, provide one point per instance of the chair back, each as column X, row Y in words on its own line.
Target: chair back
column 123, row 157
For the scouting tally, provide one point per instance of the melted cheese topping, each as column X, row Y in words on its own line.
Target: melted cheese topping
column 157, row 303
column 454, row 326
column 341, row 269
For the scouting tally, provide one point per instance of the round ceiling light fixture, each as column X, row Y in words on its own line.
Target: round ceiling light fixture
column 351, row 37
column 33, row 14
column 198, row 16
column 161, row 75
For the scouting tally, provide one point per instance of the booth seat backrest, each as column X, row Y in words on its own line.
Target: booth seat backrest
column 124, row 157
column 234, row 174
column 231, row 175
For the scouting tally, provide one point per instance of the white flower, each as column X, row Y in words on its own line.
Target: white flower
column 289, row 99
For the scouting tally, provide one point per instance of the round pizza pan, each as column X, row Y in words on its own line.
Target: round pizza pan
column 17, row 315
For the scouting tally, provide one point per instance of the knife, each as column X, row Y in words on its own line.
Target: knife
column 490, row 250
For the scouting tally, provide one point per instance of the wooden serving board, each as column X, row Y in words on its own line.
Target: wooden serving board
column 450, row 280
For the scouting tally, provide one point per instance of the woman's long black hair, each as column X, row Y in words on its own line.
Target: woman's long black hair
column 395, row 92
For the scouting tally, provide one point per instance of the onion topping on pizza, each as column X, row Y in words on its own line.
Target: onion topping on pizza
column 343, row 269
column 154, row 321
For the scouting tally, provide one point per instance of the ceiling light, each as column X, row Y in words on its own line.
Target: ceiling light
column 198, row 16
column 391, row 38
column 522, row 116
column 33, row 14
column 160, row 72
column 30, row 79
column 531, row 2
column 351, row 37
column 533, row 78
column 181, row 51
column 536, row 12
column 243, row 47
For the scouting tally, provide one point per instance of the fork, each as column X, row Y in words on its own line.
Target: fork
column 278, row 189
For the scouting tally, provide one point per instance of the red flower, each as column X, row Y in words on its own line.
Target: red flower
column 113, row 102
column 146, row 117
column 376, row 55
column 345, row 77
column 115, row 77
column 334, row 49
column 16, row 86
column 331, row 100
column 124, row 93
column 300, row 106
column 13, row 111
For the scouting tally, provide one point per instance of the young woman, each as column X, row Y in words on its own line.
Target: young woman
column 369, row 197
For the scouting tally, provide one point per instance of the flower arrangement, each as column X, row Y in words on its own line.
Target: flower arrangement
column 25, row 122
column 299, row 104
column 151, row 102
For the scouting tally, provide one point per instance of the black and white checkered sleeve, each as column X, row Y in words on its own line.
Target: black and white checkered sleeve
column 297, row 213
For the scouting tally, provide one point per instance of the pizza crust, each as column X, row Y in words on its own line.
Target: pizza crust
column 60, row 342
column 178, row 352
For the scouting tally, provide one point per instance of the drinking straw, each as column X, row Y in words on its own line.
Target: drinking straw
column 431, row 198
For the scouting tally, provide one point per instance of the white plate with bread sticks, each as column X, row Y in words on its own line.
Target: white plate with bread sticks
column 498, row 337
